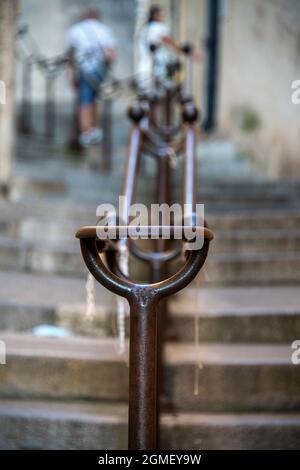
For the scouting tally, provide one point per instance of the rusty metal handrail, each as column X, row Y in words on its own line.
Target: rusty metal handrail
column 148, row 307
column 143, row 300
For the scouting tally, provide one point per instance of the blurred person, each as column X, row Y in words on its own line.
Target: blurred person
column 91, row 48
column 156, row 32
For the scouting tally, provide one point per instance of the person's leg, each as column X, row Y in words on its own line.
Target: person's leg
column 86, row 111
column 96, row 114
column 89, row 118
column 86, row 117
column 86, row 100
column 96, row 132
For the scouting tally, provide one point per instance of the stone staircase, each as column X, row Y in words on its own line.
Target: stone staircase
column 71, row 392
column 257, row 251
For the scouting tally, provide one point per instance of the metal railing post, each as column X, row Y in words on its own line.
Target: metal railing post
column 148, row 302
column 25, row 118
column 143, row 416
column 143, row 300
column 190, row 117
column 107, row 125
column 49, row 106
column 187, row 50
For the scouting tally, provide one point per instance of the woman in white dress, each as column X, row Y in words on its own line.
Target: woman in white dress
column 156, row 33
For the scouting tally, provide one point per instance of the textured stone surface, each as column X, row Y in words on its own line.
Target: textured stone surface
column 40, row 425
column 253, row 269
column 251, row 247
column 249, row 314
column 231, row 377
column 221, row 269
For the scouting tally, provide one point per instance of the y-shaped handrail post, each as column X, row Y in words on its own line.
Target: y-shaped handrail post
column 143, row 300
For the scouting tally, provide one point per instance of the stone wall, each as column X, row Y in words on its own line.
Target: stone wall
column 8, row 11
column 260, row 58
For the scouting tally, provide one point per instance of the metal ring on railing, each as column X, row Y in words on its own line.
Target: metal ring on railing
column 91, row 245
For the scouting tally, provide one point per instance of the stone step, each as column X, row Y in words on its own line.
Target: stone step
column 250, row 314
column 228, row 377
column 255, row 220
column 42, row 425
column 65, row 176
column 256, row 241
column 226, row 241
column 56, row 258
column 261, row 314
column 221, row 269
column 46, row 220
column 250, row 192
column 14, row 211
column 252, row 269
column 56, row 175
column 252, row 325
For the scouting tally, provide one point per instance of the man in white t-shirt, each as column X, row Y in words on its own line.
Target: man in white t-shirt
column 91, row 47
